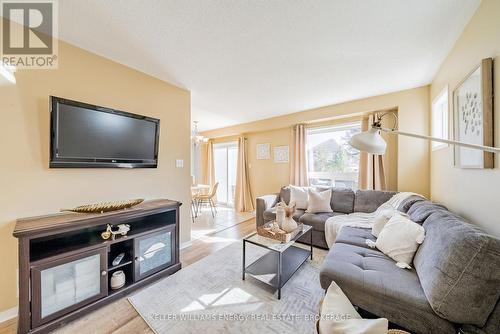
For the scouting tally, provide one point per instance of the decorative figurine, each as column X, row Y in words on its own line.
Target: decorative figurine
column 122, row 230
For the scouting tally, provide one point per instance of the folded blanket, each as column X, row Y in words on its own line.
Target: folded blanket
column 333, row 225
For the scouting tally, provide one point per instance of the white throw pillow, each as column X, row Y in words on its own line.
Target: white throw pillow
column 399, row 239
column 319, row 201
column 298, row 197
column 381, row 218
column 339, row 316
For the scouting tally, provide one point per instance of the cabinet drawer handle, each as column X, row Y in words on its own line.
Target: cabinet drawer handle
column 103, row 273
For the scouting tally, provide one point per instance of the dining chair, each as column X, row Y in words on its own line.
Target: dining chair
column 194, row 205
column 208, row 199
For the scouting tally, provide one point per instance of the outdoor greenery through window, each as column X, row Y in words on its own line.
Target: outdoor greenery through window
column 331, row 161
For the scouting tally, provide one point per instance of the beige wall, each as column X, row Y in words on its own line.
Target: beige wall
column 29, row 187
column 266, row 176
column 474, row 194
column 412, row 154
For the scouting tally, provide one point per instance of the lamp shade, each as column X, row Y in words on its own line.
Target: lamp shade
column 369, row 141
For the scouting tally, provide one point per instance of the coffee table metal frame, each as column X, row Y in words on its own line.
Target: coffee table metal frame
column 283, row 260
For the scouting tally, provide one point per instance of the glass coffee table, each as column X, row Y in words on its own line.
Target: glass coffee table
column 278, row 265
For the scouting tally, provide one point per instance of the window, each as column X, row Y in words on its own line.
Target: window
column 225, row 163
column 331, row 161
column 440, row 119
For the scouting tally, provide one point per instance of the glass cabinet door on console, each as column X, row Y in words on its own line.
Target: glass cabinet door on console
column 154, row 252
column 64, row 284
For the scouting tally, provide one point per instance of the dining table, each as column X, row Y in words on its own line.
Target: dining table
column 199, row 188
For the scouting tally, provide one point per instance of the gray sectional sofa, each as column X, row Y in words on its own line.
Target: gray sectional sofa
column 343, row 201
column 455, row 280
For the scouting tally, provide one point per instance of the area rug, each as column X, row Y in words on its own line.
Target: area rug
column 210, row 296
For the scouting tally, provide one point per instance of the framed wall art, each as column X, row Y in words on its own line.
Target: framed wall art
column 263, row 151
column 473, row 116
column 281, row 154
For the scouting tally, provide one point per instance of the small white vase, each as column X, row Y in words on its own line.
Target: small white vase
column 289, row 224
column 280, row 215
column 117, row 280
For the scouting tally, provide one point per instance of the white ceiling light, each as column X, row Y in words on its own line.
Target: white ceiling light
column 196, row 137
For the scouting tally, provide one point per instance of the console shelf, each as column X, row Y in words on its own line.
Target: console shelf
column 120, row 265
column 65, row 266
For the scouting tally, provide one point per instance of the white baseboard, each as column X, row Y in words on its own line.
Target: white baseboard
column 8, row 314
column 186, row 244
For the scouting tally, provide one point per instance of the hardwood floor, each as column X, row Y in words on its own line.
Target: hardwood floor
column 120, row 316
column 9, row 326
column 205, row 224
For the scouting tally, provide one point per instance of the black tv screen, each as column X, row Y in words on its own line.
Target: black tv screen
column 84, row 135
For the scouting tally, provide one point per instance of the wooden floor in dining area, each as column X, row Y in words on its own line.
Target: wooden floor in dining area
column 120, row 316
column 207, row 224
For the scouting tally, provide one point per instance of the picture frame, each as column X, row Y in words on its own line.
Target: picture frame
column 264, row 151
column 473, row 117
column 281, row 154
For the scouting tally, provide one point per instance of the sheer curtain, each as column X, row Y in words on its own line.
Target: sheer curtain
column 371, row 167
column 298, row 168
column 243, row 199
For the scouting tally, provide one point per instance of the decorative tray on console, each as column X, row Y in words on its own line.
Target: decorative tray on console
column 281, row 236
column 106, row 206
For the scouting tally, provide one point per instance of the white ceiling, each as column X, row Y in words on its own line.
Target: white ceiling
column 247, row 60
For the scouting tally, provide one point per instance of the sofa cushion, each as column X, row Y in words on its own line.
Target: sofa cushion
column 299, row 197
column 459, row 268
column 318, row 239
column 270, row 214
column 285, row 194
column 419, row 211
column 382, row 216
column 355, row 236
column 493, row 322
column 342, row 200
column 319, row 201
column 370, row 200
column 372, row 281
column 400, row 239
column 408, row 203
column 317, row 220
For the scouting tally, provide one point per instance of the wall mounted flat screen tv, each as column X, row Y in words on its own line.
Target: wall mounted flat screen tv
column 85, row 135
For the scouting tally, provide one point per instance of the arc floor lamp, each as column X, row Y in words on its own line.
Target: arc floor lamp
column 372, row 142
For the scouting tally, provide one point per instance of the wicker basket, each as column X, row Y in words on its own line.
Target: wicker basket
column 281, row 237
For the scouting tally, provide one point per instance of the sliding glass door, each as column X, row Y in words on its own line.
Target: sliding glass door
column 225, row 156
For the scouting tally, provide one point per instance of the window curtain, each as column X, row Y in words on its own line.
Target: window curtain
column 243, row 198
column 208, row 170
column 298, row 168
column 371, row 167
